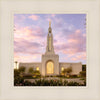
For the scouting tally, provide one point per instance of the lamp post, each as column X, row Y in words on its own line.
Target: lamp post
column 16, row 64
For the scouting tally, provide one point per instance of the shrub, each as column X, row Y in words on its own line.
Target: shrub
column 27, row 83
column 73, row 76
column 66, row 71
column 31, row 70
column 83, row 67
column 27, row 76
column 18, row 81
column 83, row 73
column 16, row 72
column 22, row 69
column 43, row 82
column 73, row 84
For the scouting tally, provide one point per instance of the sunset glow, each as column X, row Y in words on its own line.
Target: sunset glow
column 69, row 36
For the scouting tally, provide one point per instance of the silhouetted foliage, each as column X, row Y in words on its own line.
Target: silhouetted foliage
column 83, row 73
column 83, row 67
column 66, row 71
column 31, row 70
column 22, row 69
column 43, row 82
column 16, row 72
column 18, row 81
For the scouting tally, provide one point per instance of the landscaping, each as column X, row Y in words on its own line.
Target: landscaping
column 33, row 78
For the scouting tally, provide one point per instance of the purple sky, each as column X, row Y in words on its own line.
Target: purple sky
column 30, row 36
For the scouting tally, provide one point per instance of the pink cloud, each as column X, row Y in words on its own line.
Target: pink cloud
column 78, row 31
column 26, row 58
column 53, row 15
column 29, row 33
column 72, row 41
column 70, row 51
column 71, row 44
column 79, row 57
column 48, row 19
column 68, row 41
column 34, row 17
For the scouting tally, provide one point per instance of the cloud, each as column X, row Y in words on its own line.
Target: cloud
column 57, row 20
column 53, row 15
column 29, row 33
column 34, row 17
column 29, row 41
column 79, row 57
column 26, row 57
column 30, row 38
column 48, row 19
column 27, row 47
column 71, row 43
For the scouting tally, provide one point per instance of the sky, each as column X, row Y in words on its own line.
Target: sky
column 69, row 36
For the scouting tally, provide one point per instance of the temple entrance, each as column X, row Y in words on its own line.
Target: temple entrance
column 50, row 67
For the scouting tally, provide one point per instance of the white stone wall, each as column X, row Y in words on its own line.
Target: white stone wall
column 51, row 57
column 28, row 65
column 76, row 67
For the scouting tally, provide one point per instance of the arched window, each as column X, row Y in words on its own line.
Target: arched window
column 62, row 68
column 50, row 67
column 37, row 68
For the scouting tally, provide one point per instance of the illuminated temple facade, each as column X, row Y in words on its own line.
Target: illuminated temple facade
column 50, row 64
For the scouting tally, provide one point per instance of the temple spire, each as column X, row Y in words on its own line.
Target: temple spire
column 50, row 30
column 49, row 23
column 50, row 48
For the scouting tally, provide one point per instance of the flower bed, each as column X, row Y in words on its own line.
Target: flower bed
column 51, row 82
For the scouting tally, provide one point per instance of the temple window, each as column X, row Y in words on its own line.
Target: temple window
column 37, row 68
column 62, row 68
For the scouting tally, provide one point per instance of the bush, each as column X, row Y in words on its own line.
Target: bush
column 27, row 76
column 73, row 76
column 27, row 83
column 66, row 71
column 83, row 67
column 16, row 72
column 22, row 69
column 31, row 70
column 18, row 81
column 83, row 73
column 73, row 84
column 43, row 82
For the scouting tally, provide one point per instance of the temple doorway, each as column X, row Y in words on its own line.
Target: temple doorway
column 50, row 67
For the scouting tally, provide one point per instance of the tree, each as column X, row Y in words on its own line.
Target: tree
column 31, row 70
column 22, row 69
column 69, row 69
column 16, row 72
column 83, row 67
column 66, row 71
column 37, row 73
column 83, row 73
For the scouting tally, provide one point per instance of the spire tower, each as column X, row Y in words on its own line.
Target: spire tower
column 50, row 48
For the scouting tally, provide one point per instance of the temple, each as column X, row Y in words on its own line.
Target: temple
column 50, row 64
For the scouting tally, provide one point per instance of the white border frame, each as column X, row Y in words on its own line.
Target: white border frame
column 8, row 91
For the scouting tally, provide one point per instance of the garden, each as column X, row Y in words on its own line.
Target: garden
column 64, row 79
